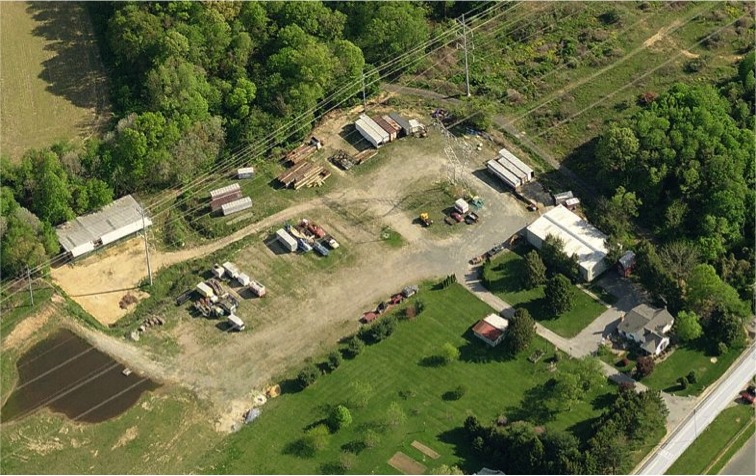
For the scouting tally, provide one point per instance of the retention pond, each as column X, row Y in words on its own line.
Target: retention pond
column 67, row 375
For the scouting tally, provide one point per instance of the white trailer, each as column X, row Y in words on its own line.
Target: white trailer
column 236, row 206
column 286, row 240
column 243, row 279
column 371, row 135
column 257, row 288
column 231, row 269
column 461, row 206
column 516, row 163
column 505, row 175
column 218, row 271
column 235, row 323
column 205, row 290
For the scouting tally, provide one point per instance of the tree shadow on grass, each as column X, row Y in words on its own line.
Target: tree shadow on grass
column 510, row 277
column 431, row 361
column 469, row 460
column 584, row 430
column 290, row 385
column 73, row 70
column 331, row 467
column 301, row 448
column 356, row 446
column 605, row 400
column 531, row 407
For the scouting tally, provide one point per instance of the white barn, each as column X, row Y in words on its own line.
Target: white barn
column 579, row 236
column 117, row 220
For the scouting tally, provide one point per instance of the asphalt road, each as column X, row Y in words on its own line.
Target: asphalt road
column 744, row 461
column 702, row 415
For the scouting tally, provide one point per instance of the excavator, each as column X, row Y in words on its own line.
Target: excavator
column 425, row 219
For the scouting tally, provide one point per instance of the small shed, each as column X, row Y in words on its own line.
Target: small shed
column 243, row 279
column 572, row 203
column 236, row 206
column 218, row 271
column 491, row 329
column 560, row 198
column 245, row 173
column 205, row 290
column 286, row 240
column 257, row 288
column 626, row 263
column 461, row 206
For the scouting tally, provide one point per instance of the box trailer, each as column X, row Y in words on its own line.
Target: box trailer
column 236, row 206
column 461, row 206
column 503, row 174
column 516, row 163
column 380, row 122
column 245, row 173
column 560, row 198
column 235, row 323
column 257, row 288
column 373, row 136
column 231, row 269
column 205, row 290
column 286, row 240
column 243, row 279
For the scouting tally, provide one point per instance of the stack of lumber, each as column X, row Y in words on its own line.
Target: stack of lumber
column 364, row 155
column 300, row 154
column 304, row 174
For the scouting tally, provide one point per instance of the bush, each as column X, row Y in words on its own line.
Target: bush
column 722, row 348
column 371, row 439
column 645, row 366
column 354, row 346
column 307, row 376
column 559, row 295
column 339, row 418
column 379, row 330
column 683, row 382
column 334, row 360
column 448, row 354
column 457, row 392
column 692, row 377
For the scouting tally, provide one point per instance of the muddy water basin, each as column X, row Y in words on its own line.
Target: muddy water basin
column 69, row 376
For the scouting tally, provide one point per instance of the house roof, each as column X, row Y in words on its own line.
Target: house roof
column 651, row 341
column 484, row 329
column 88, row 228
column 646, row 317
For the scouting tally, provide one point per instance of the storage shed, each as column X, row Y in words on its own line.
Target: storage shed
column 579, row 236
column 560, row 198
column 224, row 191
column 286, row 240
column 236, row 206
column 245, row 173
column 503, row 174
column 117, row 220
column 491, row 329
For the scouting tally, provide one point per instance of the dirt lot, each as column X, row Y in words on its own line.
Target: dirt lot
column 51, row 81
column 310, row 305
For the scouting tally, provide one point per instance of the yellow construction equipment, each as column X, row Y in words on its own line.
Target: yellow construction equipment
column 425, row 219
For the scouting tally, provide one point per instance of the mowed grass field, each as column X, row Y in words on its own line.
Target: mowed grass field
column 716, row 445
column 52, row 85
column 504, row 278
column 397, row 373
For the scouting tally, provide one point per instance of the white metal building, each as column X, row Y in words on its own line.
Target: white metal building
column 117, row 220
column 371, row 131
column 236, row 206
column 579, row 236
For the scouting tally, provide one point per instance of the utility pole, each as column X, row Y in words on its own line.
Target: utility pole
column 28, row 278
column 364, row 97
column 146, row 247
column 464, row 44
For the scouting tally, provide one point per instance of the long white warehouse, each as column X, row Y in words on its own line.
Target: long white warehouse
column 117, row 220
column 579, row 236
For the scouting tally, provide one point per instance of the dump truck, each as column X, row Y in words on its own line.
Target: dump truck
column 425, row 219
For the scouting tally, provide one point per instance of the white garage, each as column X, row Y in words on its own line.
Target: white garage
column 579, row 236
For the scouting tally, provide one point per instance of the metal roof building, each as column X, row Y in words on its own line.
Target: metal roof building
column 579, row 236
column 83, row 234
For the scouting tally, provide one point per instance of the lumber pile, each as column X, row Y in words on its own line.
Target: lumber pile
column 364, row 155
column 304, row 174
column 300, row 154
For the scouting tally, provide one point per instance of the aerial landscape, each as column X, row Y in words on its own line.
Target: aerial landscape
column 397, row 237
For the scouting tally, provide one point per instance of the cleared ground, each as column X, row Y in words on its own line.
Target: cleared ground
column 52, row 85
column 312, row 301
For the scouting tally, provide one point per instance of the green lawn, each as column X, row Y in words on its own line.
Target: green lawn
column 504, row 276
column 399, row 372
column 684, row 359
column 707, row 454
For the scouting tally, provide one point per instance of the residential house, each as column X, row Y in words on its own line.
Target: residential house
column 648, row 327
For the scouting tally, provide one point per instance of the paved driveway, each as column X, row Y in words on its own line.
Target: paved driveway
column 744, row 461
